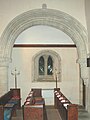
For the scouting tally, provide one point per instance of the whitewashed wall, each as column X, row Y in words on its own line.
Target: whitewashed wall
column 41, row 34
column 22, row 60
column 9, row 9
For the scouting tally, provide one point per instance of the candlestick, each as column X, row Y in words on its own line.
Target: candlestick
column 15, row 73
column 56, row 76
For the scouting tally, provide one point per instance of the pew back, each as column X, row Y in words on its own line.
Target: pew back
column 37, row 92
column 8, row 104
column 5, row 98
column 67, row 110
column 34, row 106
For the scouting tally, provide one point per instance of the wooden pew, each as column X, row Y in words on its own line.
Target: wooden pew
column 16, row 95
column 9, row 102
column 67, row 110
column 34, row 106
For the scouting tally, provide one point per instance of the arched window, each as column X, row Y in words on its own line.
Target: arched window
column 44, row 64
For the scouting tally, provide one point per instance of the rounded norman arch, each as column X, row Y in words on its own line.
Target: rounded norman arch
column 50, row 17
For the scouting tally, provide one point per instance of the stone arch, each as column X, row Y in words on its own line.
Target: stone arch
column 49, row 17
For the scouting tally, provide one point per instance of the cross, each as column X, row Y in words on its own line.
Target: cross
column 15, row 73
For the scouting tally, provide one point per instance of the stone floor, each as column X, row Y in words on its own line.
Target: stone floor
column 53, row 114
column 83, row 115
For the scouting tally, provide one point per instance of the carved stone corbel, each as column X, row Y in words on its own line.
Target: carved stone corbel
column 83, row 70
column 85, row 81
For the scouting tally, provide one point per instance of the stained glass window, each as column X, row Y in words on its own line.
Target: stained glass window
column 49, row 66
column 41, row 66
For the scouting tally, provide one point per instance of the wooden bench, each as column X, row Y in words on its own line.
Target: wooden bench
column 67, row 110
column 9, row 102
column 34, row 106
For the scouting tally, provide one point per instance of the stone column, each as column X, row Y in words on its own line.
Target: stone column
column 89, row 93
column 4, row 62
column 87, row 9
column 3, row 80
column 85, row 77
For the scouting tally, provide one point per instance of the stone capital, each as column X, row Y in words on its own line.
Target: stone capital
column 4, row 62
column 86, row 81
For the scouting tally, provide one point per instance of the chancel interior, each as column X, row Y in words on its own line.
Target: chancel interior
column 44, row 60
